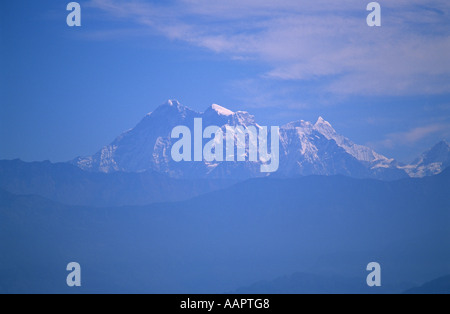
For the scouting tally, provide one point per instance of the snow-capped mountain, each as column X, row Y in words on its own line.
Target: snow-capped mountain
column 305, row 149
column 317, row 149
column 432, row 162
column 148, row 145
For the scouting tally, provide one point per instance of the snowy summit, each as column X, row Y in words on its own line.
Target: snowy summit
column 221, row 110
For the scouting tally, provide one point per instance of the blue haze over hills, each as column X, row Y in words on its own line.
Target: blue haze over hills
column 329, row 227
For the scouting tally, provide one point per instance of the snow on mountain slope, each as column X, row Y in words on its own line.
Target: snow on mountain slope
column 432, row 162
column 305, row 149
column 380, row 166
column 221, row 110
column 317, row 149
column 144, row 147
column 148, row 145
column 362, row 153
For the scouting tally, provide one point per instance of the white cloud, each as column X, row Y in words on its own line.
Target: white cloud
column 305, row 40
column 413, row 136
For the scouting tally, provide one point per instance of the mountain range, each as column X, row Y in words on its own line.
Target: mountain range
column 138, row 222
column 305, row 149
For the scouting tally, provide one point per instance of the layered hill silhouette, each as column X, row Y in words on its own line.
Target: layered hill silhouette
column 70, row 185
column 438, row 286
column 255, row 230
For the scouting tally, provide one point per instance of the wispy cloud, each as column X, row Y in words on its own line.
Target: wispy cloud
column 413, row 136
column 309, row 40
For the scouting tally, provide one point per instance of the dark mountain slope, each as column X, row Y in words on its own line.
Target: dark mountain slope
column 68, row 184
column 437, row 286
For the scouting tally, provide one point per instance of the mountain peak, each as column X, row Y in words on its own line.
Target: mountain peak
column 439, row 153
column 172, row 103
column 433, row 161
column 171, row 110
column 222, row 110
column 325, row 128
column 442, row 146
column 322, row 121
column 442, row 143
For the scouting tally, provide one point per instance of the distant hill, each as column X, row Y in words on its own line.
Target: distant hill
column 255, row 230
column 437, row 286
column 70, row 185
column 302, row 283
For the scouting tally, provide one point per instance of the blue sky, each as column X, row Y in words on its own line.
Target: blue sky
column 68, row 91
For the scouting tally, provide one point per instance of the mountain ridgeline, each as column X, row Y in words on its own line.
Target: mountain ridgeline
column 68, row 184
column 305, row 149
column 137, row 168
